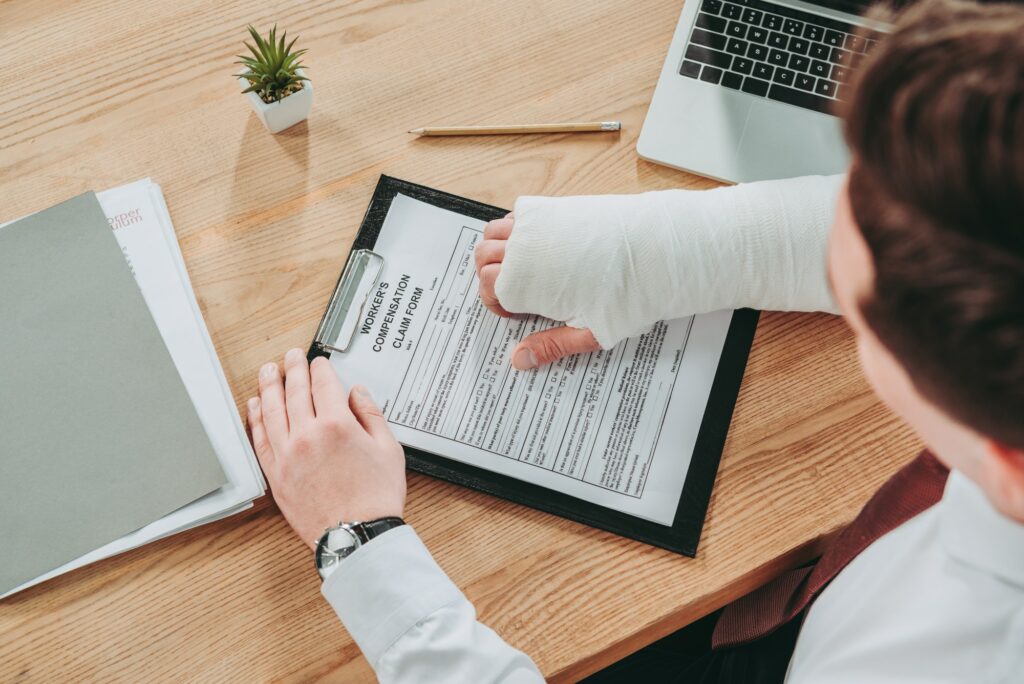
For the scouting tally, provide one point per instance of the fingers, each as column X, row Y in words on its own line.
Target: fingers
column 547, row 346
column 298, row 396
column 272, row 405
column 328, row 394
column 368, row 413
column 499, row 229
column 260, row 443
column 489, row 252
column 488, row 276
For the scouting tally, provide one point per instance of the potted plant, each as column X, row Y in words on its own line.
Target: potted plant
column 274, row 80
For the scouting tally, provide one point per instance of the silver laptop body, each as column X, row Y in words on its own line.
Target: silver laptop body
column 746, row 85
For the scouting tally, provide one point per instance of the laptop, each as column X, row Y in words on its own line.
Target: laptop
column 748, row 88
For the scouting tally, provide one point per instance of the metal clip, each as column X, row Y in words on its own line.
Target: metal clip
column 338, row 327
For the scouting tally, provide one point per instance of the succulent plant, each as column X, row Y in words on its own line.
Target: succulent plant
column 272, row 70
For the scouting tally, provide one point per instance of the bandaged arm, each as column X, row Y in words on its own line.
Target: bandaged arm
column 616, row 264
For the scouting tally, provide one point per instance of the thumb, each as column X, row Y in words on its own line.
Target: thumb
column 548, row 346
column 367, row 412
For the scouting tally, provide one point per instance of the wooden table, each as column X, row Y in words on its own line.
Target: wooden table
column 102, row 93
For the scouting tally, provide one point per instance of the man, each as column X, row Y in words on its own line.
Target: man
column 926, row 261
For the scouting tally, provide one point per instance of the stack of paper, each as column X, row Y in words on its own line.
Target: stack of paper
column 141, row 224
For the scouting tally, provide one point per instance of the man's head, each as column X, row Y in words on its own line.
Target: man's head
column 927, row 251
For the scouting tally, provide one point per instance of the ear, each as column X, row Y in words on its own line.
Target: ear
column 1004, row 470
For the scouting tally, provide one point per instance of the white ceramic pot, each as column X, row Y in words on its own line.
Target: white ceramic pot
column 285, row 113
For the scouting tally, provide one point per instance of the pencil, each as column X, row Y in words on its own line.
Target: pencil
column 579, row 127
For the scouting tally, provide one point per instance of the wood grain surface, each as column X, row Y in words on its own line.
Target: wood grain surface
column 102, row 93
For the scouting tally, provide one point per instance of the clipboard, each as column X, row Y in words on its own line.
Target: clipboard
column 351, row 293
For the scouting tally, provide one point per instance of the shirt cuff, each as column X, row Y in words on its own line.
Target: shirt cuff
column 387, row 587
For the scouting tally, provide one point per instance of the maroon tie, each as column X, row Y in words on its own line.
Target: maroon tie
column 918, row 486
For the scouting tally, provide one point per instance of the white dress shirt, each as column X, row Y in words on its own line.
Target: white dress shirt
column 412, row 623
column 939, row 599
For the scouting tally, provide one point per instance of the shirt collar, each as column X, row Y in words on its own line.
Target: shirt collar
column 975, row 533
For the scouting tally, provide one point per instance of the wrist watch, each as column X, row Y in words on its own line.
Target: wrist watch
column 338, row 542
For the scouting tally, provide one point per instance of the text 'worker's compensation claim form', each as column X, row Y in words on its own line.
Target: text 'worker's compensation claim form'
column 615, row 427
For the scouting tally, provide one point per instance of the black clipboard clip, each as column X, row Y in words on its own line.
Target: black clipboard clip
column 338, row 326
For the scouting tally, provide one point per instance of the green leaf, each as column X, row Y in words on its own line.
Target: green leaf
column 288, row 50
column 256, row 39
column 264, row 53
column 292, row 63
column 254, row 51
column 271, row 42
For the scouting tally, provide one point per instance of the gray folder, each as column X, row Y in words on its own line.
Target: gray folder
column 98, row 436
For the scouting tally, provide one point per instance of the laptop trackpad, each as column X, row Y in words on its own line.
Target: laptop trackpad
column 782, row 141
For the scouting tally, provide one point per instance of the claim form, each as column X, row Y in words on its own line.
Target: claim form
column 615, row 427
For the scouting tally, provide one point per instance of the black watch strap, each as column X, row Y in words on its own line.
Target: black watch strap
column 375, row 528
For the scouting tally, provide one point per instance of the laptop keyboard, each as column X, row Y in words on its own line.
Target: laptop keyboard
column 775, row 52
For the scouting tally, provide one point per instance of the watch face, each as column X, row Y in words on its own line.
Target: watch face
column 336, row 545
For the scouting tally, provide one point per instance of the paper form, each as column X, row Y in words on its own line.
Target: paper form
column 615, row 427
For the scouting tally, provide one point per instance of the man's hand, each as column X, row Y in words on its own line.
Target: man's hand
column 539, row 348
column 329, row 456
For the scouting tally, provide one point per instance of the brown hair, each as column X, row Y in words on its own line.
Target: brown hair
column 936, row 127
